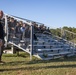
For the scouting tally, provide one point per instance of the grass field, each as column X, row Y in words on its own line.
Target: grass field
column 21, row 65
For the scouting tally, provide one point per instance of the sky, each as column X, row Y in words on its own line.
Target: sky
column 52, row 13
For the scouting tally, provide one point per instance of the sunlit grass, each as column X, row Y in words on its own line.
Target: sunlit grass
column 21, row 65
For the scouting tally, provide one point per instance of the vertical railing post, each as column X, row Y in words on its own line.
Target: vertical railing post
column 63, row 33
column 31, row 41
column 6, row 31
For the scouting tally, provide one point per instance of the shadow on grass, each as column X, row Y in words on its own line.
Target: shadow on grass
column 37, row 61
column 69, row 59
column 38, row 67
column 15, row 55
column 14, row 63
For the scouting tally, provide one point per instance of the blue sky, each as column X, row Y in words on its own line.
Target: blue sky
column 53, row 13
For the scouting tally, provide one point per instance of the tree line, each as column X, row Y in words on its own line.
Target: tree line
column 70, row 34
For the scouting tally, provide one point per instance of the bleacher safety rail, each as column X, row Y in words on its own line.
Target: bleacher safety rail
column 67, row 34
column 10, row 40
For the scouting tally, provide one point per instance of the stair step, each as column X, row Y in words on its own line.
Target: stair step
column 54, row 49
column 55, row 57
column 49, row 57
column 44, row 58
column 54, row 54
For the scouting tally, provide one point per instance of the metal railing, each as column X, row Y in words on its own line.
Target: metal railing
column 7, row 33
column 29, row 22
column 69, row 36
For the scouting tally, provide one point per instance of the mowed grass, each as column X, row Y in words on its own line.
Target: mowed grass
column 21, row 65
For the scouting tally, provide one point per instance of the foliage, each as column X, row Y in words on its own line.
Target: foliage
column 68, row 35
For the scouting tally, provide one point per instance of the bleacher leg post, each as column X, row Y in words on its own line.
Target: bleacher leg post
column 31, row 42
column 13, row 49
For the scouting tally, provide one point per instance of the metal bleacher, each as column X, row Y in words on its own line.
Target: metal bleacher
column 46, row 47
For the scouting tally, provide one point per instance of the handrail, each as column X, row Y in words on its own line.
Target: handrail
column 69, row 31
column 27, row 19
column 74, row 44
column 24, row 19
column 18, row 18
column 31, row 34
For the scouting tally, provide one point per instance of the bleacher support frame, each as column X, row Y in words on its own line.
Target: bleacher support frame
column 32, row 45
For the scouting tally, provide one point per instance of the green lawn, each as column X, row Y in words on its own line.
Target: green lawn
column 21, row 65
